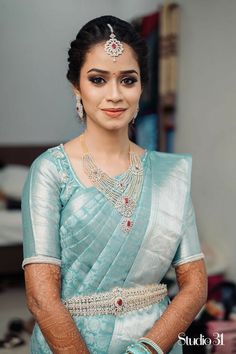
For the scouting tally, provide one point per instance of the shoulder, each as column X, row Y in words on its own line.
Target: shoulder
column 167, row 157
column 179, row 165
column 164, row 157
column 46, row 164
column 48, row 155
column 170, row 156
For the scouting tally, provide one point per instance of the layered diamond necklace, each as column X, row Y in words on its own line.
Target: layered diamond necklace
column 123, row 193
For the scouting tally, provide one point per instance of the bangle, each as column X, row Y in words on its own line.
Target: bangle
column 152, row 344
column 137, row 348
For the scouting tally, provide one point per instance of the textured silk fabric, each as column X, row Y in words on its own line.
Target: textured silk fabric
column 76, row 227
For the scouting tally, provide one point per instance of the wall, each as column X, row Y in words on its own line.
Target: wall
column 206, row 123
column 36, row 102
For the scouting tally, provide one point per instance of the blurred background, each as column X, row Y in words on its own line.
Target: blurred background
column 188, row 107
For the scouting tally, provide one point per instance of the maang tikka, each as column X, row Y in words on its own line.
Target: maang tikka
column 113, row 47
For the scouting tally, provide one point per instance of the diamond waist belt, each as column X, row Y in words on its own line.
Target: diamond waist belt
column 117, row 301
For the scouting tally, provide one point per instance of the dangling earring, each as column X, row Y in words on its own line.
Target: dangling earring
column 135, row 116
column 79, row 108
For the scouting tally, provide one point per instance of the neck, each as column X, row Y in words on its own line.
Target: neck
column 107, row 144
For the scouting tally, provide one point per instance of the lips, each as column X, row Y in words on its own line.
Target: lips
column 113, row 109
column 113, row 112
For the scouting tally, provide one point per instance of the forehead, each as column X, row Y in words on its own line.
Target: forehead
column 96, row 57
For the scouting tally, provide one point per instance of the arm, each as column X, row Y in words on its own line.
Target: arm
column 192, row 282
column 43, row 299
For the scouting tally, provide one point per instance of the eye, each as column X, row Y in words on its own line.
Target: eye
column 97, row 80
column 128, row 81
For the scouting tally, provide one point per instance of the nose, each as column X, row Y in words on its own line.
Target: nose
column 114, row 92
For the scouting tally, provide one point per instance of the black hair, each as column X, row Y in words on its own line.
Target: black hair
column 96, row 31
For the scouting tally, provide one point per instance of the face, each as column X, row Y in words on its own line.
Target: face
column 110, row 91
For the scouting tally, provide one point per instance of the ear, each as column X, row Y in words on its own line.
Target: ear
column 76, row 90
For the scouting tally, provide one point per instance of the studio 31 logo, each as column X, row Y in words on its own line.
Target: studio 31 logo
column 201, row 340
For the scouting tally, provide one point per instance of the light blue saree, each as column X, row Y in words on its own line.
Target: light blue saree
column 76, row 227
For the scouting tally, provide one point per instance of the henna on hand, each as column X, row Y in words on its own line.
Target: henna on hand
column 192, row 281
column 43, row 285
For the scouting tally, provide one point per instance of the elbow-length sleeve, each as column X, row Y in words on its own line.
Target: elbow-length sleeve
column 41, row 208
column 189, row 248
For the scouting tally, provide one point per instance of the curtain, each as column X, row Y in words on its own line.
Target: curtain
column 154, row 126
column 168, row 50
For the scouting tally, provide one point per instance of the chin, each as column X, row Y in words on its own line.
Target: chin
column 116, row 126
column 112, row 124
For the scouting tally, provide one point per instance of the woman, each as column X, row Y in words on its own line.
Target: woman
column 104, row 219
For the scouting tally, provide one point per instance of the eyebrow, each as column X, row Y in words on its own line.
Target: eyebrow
column 107, row 72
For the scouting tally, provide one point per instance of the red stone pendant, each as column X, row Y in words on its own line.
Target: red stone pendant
column 127, row 224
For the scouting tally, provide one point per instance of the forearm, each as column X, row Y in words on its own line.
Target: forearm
column 55, row 322
column 176, row 319
column 60, row 330
column 182, row 310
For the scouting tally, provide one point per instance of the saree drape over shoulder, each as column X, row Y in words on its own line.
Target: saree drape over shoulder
column 76, row 227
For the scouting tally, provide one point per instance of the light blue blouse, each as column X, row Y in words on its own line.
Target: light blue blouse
column 76, row 227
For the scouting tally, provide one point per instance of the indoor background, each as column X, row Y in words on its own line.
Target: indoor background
column 37, row 106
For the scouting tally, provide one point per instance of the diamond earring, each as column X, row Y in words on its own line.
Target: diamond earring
column 79, row 108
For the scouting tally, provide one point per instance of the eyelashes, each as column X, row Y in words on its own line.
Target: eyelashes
column 126, row 81
column 97, row 80
column 129, row 80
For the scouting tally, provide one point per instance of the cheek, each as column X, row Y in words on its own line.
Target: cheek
column 91, row 95
column 134, row 97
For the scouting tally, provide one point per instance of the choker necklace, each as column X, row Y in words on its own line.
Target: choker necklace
column 124, row 193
